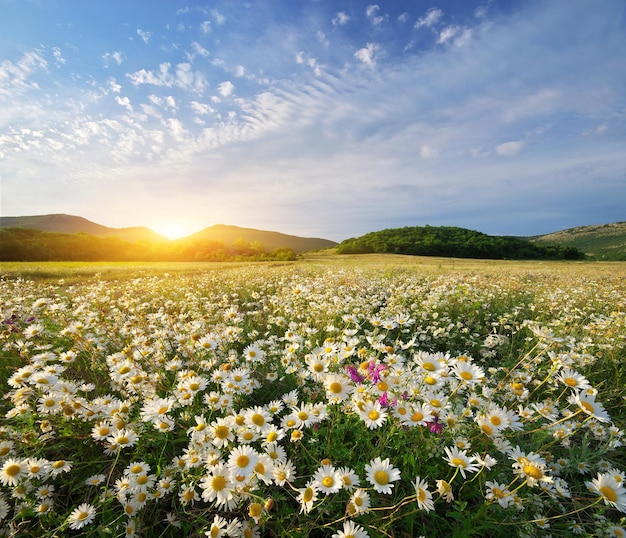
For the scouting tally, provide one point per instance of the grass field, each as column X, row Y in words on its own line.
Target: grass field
column 372, row 395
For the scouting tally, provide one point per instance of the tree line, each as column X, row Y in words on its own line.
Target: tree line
column 22, row 244
column 451, row 241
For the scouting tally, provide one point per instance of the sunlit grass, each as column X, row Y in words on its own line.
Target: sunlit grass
column 408, row 396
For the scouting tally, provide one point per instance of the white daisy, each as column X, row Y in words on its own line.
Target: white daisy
column 380, row 473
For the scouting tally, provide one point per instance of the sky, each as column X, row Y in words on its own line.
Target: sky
column 318, row 118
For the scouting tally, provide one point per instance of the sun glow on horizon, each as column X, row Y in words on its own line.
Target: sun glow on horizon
column 173, row 230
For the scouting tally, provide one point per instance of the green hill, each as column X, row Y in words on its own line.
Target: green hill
column 271, row 240
column 71, row 224
column 450, row 241
column 601, row 241
column 67, row 237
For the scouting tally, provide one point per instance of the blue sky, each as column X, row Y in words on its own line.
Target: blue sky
column 325, row 118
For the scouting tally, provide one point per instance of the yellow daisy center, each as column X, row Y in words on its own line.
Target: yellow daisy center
column 381, row 477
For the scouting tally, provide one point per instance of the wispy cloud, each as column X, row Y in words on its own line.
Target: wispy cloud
column 340, row 19
column 432, row 16
column 368, row 54
column 513, row 147
column 145, row 36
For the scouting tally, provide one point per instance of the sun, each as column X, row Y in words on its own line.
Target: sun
column 172, row 230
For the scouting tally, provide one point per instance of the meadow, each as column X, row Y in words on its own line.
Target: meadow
column 335, row 396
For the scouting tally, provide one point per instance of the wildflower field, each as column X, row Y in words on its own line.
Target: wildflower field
column 375, row 396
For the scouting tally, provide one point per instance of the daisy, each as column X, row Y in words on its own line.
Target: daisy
column 258, row 418
column 255, row 511
column 5, row 448
column 272, row 434
column 349, row 477
column 373, row 415
column 283, row 471
column 38, row 467
column 468, row 373
column 186, row 495
column 12, row 471
column 122, row 438
column 327, row 479
column 351, row 530
column 263, row 469
column 423, row 496
column 573, row 379
column 242, row 460
column 459, row 459
column 445, row 490
column 217, row 527
column 81, row 516
column 531, row 467
column 220, row 431
column 49, row 403
column 307, row 496
column 500, row 493
column 587, row 402
column 4, row 508
column 611, row 490
column 44, row 491
column 380, row 473
column 419, row 415
column 359, row 502
column 338, row 387
column 43, row 507
column 616, row 531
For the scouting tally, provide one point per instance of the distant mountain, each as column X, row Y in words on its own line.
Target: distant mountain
column 220, row 233
column 600, row 241
column 271, row 240
column 70, row 224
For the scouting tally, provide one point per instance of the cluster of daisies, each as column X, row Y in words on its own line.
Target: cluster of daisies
column 215, row 402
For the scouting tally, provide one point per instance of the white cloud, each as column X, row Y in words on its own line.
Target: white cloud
column 170, row 101
column 125, row 102
column 368, row 54
column 225, row 88
column 116, row 56
column 162, row 78
column 220, row 20
column 430, row 19
column 177, row 130
column 144, row 35
column 508, row 149
column 201, row 108
column 114, row 86
column 184, row 75
column 205, row 27
column 199, row 49
column 321, row 37
column 340, row 19
column 58, row 57
column 447, row 34
column 14, row 76
column 371, row 12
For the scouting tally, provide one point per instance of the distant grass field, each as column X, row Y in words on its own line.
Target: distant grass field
column 82, row 271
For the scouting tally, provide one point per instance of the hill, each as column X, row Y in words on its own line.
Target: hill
column 601, row 241
column 70, row 224
column 271, row 240
column 67, row 237
column 451, row 241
